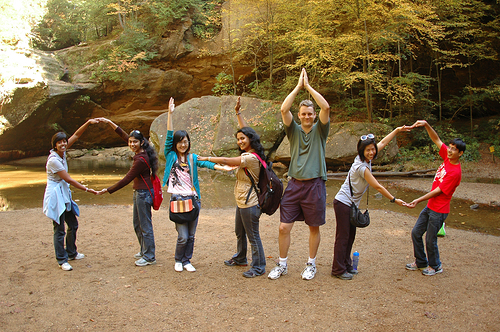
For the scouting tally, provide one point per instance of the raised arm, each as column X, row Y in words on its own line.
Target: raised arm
column 386, row 140
column 288, row 102
column 79, row 132
column 241, row 121
column 324, row 114
column 108, row 121
column 171, row 108
column 115, row 127
column 381, row 189
column 432, row 133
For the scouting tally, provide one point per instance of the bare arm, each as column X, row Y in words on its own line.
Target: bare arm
column 171, row 108
column 375, row 184
column 65, row 176
column 386, row 140
column 108, row 121
column 241, row 121
column 427, row 196
column 432, row 133
column 235, row 161
column 288, row 102
column 79, row 132
column 324, row 114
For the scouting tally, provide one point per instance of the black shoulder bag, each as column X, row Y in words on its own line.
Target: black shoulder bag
column 356, row 217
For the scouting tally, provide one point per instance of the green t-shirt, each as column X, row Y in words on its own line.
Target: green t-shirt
column 307, row 151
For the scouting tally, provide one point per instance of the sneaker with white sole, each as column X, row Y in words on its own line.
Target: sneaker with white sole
column 78, row 256
column 178, row 267
column 189, row 267
column 413, row 267
column 429, row 271
column 66, row 266
column 143, row 262
column 309, row 272
column 278, row 271
column 138, row 255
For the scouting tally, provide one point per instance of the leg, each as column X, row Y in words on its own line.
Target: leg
column 284, row 238
column 416, row 235
column 341, row 251
column 188, row 254
column 314, row 240
column 137, row 223
column 59, row 233
column 144, row 203
column 72, row 222
column 182, row 238
column 250, row 219
column 240, row 257
column 435, row 223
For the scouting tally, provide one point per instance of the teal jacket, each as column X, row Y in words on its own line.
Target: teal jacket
column 171, row 158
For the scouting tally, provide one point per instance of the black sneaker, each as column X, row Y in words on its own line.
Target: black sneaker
column 344, row 276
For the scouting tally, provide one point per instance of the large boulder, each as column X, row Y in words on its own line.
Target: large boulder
column 341, row 145
column 211, row 124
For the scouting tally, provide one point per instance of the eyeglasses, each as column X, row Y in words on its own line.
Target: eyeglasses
column 183, row 142
column 369, row 136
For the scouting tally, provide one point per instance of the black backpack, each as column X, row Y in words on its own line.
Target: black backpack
column 270, row 188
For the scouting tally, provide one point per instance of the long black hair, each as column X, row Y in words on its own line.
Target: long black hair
column 150, row 150
column 254, row 141
column 362, row 144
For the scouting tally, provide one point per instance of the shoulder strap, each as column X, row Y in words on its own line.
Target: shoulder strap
column 191, row 170
column 367, row 192
column 145, row 179
column 252, row 187
column 260, row 159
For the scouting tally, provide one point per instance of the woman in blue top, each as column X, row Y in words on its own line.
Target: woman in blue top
column 181, row 176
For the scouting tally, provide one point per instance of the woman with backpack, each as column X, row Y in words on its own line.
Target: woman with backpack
column 143, row 169
column 247, row 203
column 181, row 176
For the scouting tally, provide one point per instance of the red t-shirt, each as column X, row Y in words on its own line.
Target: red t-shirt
column 447, row 178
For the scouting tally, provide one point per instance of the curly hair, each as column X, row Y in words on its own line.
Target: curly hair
column 150, row 150
column 254, row 141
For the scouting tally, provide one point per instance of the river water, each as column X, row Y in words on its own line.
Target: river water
column 22, row 186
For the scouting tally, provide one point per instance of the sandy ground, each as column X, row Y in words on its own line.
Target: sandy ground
column 107, row 292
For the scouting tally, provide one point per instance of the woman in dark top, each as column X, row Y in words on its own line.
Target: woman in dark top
column 144, row 167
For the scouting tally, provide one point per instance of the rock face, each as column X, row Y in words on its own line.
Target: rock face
column 212, row 124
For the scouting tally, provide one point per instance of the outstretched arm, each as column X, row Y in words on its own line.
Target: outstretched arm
column 79, row 132
column 288, row 102
column 324, row 114
column 381, row 189
column 234, row 161
column 241, row 121
column 386, row 140
column 65, row 176
column 432, row 133
column 427, row 196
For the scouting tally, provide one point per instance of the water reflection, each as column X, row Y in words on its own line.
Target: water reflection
column 22, row 187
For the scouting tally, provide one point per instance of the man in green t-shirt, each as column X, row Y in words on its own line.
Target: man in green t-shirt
column 305, row 195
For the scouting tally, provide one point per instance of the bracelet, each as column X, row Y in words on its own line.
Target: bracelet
column 86, row 189
column 209, row 158
column 393, row 199
column 238, row 113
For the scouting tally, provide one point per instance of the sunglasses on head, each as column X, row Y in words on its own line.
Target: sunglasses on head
column 135, row 132
column 369, row 136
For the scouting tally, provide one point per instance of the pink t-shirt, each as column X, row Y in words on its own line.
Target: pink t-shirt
column 447, row 178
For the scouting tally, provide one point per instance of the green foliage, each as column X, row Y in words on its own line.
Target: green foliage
column 224, row 85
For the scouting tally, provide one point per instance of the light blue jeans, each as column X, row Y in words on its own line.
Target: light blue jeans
column 247, row 225
column 143, row 225
column 429, row 222
column 185, row 239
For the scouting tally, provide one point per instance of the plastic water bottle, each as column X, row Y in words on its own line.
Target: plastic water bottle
column 355, row 260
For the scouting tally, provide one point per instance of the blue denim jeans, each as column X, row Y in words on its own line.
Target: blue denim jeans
column 143, row 225
column 59, row 233
column 429, row 222
column 247, row 225
column 185, row 239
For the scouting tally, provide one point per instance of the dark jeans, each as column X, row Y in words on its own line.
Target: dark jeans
column 143, row 225
column 247, row 225
column 344, row 239
column 429, row 222
column 62, row 254
column 185, row 239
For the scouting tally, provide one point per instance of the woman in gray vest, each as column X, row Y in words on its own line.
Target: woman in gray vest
column 359, row 178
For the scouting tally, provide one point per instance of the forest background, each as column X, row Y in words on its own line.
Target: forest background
column 375, row 61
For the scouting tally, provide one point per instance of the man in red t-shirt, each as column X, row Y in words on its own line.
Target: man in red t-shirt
column 432, row 217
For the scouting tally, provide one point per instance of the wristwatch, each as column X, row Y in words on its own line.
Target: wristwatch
column 393, row 199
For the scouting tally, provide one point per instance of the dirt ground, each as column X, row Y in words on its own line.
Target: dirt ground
column 107, row 292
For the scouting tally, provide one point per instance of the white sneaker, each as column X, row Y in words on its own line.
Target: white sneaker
column 189, row 267
column 78, row 256
column 277, row 272
column 138, row 255
column 309, row 272
column 178, row 267
column 66, row 266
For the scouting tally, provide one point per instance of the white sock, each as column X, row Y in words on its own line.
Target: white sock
column 283, row 261
column 312, row 261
